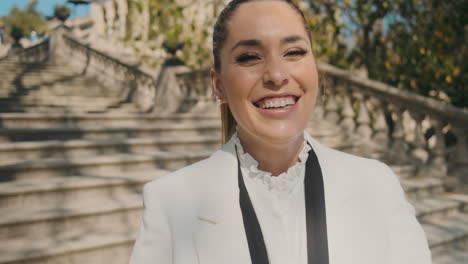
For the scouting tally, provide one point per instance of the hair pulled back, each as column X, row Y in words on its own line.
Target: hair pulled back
column 220, row 33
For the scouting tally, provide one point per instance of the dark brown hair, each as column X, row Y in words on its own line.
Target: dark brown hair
column 220, row 34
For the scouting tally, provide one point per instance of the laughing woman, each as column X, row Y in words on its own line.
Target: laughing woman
column 272, row 193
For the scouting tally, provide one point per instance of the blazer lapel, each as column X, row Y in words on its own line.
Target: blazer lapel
column 220, row 236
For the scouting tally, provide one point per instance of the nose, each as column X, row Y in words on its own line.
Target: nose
column 275, row 74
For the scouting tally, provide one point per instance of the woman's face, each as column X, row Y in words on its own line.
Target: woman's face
column 268, row 74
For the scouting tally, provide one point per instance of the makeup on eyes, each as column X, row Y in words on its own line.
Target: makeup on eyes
column 248, row 57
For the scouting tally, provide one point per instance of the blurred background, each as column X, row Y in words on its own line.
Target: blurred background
column 98, row 97
column 419, row 45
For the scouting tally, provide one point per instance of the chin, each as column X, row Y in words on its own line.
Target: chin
column 280, row 132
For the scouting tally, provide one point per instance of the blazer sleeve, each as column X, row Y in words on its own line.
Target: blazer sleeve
column 153, row 243
column 407, row 240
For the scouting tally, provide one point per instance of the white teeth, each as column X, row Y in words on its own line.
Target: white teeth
column 277, row 102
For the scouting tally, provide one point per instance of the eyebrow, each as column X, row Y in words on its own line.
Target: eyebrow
column 292, row 39
column 256, row 43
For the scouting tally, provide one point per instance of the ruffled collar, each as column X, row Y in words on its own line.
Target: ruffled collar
column 285, row 182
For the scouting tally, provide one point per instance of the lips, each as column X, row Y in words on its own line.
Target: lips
column 275, row 102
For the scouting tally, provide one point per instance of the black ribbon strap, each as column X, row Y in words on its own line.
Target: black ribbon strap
column 316, row 219
column 316, row 225
column 253, row 231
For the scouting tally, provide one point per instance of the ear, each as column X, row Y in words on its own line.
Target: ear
column 217, row 89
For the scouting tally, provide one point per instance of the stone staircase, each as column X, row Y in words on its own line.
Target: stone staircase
column 73, row 161
column 36, row 87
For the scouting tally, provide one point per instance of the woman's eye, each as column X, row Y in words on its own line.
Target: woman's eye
column 296, row 53
column 246, row 58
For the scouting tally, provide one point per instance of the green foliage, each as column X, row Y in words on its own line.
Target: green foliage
column 62, row 12
column 430, row 50
column 419, row 45
column 178, row 21
column 20, row 23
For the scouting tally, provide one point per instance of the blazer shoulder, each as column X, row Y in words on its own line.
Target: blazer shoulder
column 347, row 160
column 189, row 178
column 356, row 170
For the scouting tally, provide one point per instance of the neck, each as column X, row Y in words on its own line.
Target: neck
column 273, row 157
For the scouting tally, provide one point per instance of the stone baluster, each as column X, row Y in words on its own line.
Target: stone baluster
column 419, row 151
column 363, row 129
column 381, row 134
column 438, row 164
column 331, row 107
column 318, row 111
column 347, row 113
column 460, row 163
column 110, row 15
column 398, row 150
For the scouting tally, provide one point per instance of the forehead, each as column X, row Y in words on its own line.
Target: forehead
column 264, row 20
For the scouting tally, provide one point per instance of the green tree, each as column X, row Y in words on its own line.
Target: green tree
column 20, row 23
column 420, row 45
column 62, row 12
column 172, row 22
column 430, row 49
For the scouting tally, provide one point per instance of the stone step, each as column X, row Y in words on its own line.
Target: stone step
column 403, row 171
column 418, row 188
column 122, row 212
column 52, row 109
column 62, row 90
column 80, row 148
column 71, row 190
column 40, row 120
column 11, row 70
column 102, row 132
column 446, row 232
column 12, row 73
column 96, row 165
column 30, row 79
column 455, row 255
column 59, row 81
column 98, row 247
column 437, row 207
column 54, row 100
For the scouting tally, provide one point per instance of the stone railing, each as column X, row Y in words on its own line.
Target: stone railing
column 195, row 85
column 33, row 54
column 405, row 127
column 132, row 83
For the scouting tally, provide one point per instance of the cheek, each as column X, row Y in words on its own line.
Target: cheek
column 306, row 75
column 239, row 84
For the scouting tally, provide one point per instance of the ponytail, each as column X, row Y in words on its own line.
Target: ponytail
column 228, row 123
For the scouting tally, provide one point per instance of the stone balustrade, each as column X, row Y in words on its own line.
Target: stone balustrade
column 410, row 128
column 33, row 54
column 404, row 127
column 195, row 85
column 133, row 83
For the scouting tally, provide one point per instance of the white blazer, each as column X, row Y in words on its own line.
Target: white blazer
column 193, row 215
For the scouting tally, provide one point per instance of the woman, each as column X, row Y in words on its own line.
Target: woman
column 273, row 194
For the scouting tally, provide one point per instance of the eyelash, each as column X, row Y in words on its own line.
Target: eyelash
column 243, row 58
column 297, row 52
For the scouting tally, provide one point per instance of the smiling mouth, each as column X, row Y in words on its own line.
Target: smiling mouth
column 276, row 102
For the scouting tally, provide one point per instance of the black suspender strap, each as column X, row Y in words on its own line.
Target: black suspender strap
column 316, row 225
column 316, row 219
column 257, row 248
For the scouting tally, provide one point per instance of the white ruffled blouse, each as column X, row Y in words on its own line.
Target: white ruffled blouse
column 279, row 204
